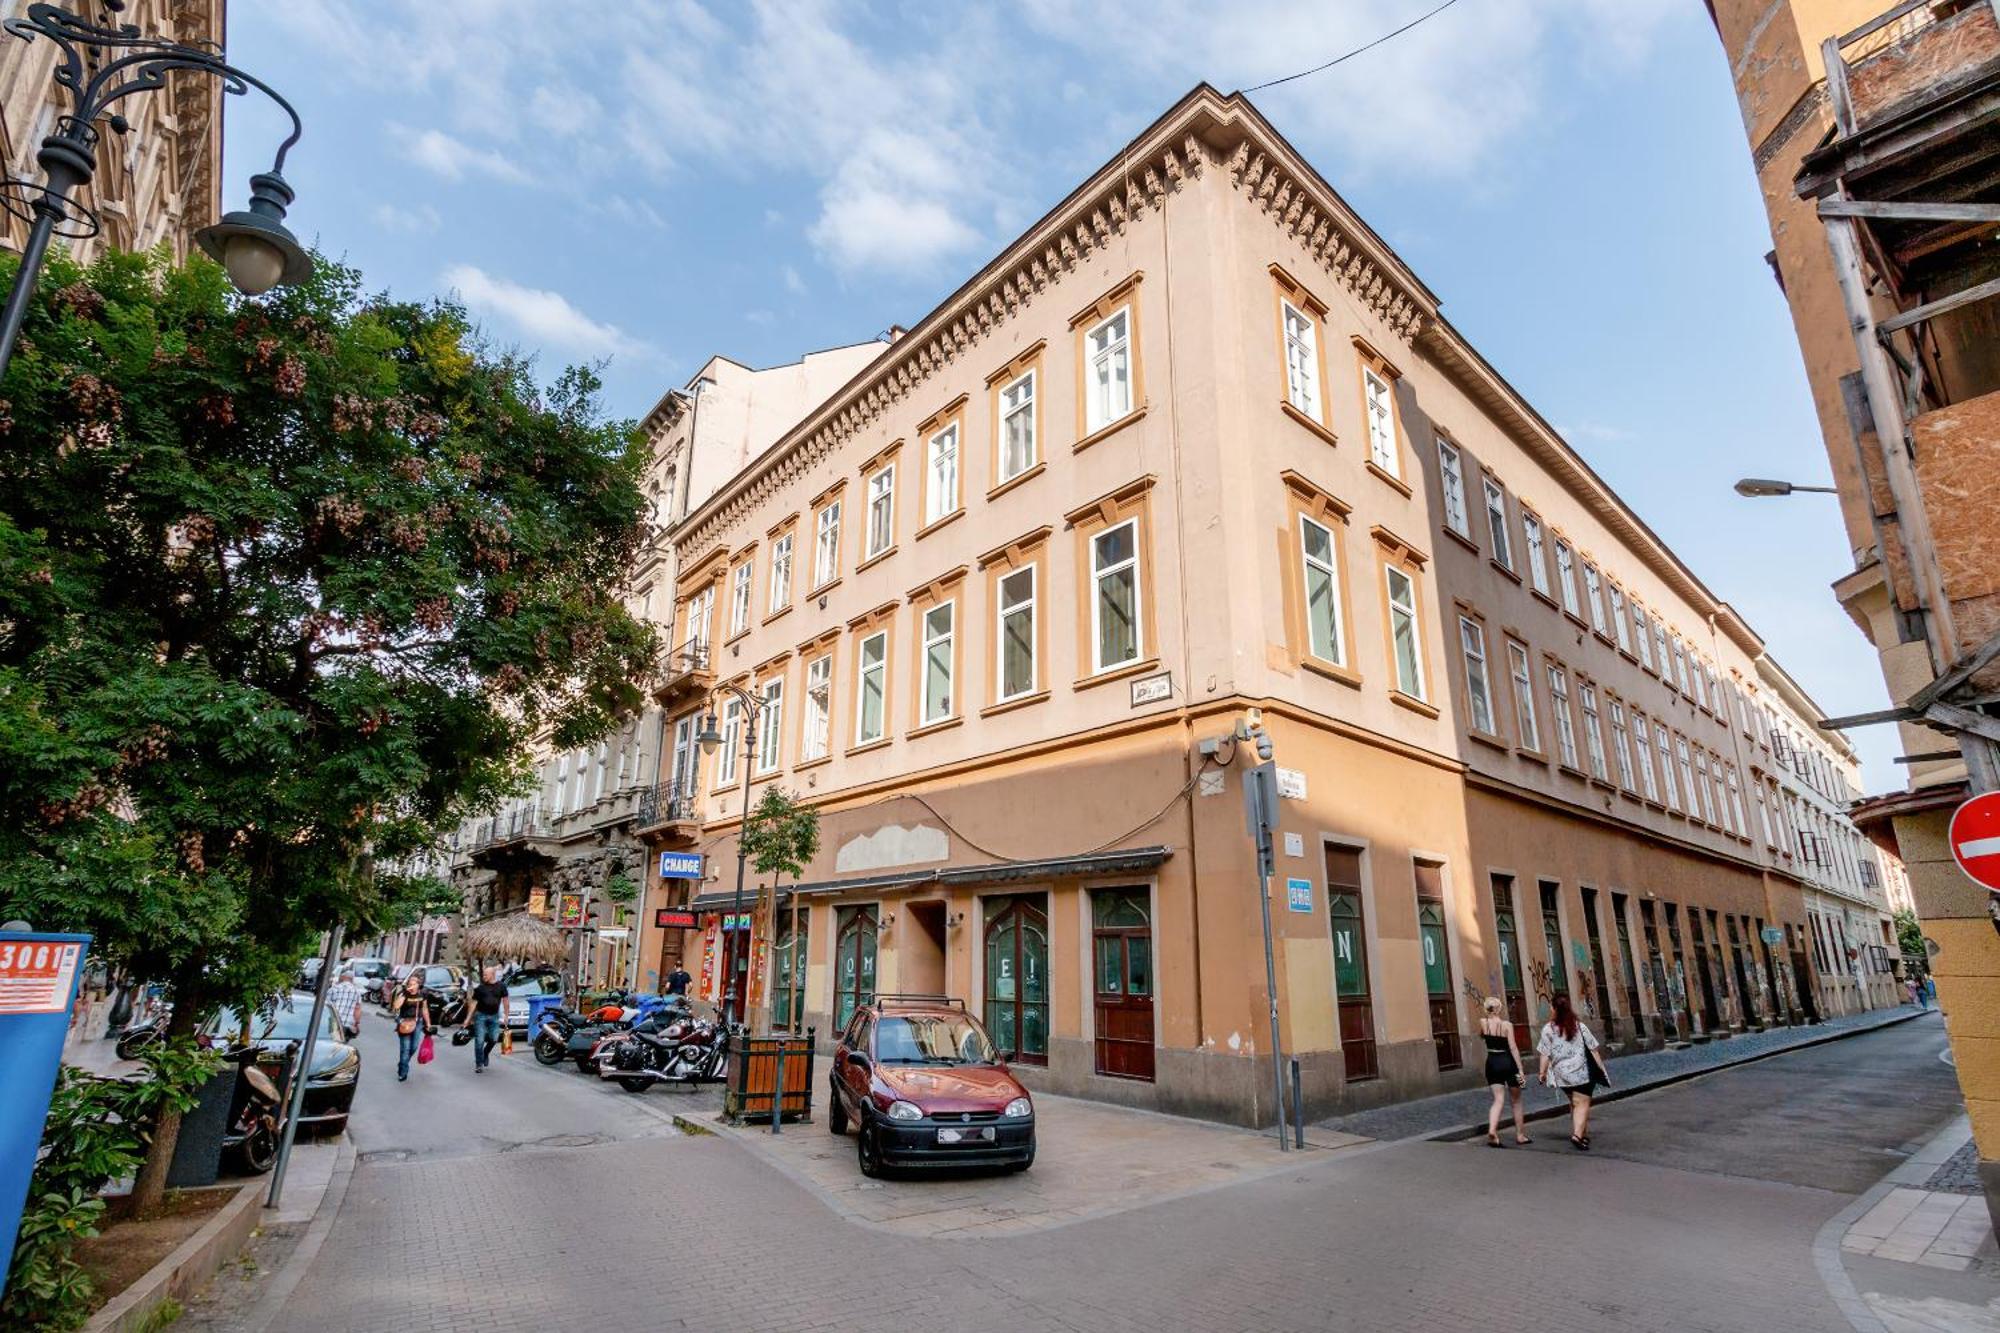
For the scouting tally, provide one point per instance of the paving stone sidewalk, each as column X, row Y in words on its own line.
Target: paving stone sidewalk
column 1459, row 1112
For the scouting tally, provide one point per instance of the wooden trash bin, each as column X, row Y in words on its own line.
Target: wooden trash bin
column 752, row 1096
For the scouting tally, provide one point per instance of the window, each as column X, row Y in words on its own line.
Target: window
column 701, row 609
column 1107, row 350
column 1723, row 814
column 1496, row 524
column 826, row 545
column 1114, row 602
column 1593, row 589
column 781, row 574
column 1538, row 570
column 1478, row 691
column 1739, row 825
column 1700, row 685
column 1702, row 797
column 1681, row 668
column 1015, row 668
column 1666, row 766
column 1524, row 696
column 937, row 667
column 1323, row 628
column 1451, row 472
column 881, row 511
column 1687, row 775
column 1660, row 644
column 739, row 598
column 1764, row 819
column 871, row 684
column 1301, row 360
column 732, row 741
column 562, row 783
column 1593, row 734
column 814, row 738
column 1405, row 642
column 1618, row 621
column 1565, row 726
column 1643, row 748
column 1381, row 423
column 1566, row 576
column 1642, row 632
column 1017, row 427
column 941, row 498
column 772, row 719
column 1621, row 749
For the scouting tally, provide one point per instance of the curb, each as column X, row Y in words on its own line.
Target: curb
column 279, row 1289
column 193, row 1262
column 1478, row 1129
column 1826, row 1248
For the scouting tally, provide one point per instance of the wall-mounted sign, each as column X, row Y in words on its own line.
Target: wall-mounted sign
column 1299, row 894
column 612, row 932
column 1152, row 689
column 675, row 918
column 680, row 865
column 538, row 902
column 736, row 921
column 569, row 910
column 1295, row 844
column 1291, row 784
column 1773, row 934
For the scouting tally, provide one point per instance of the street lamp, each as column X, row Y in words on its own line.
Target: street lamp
column 1759, row 487
column 253, row 246
column 710, row 739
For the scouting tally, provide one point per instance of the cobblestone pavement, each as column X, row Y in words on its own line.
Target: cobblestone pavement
column 1456, row 1111
column 1960, row 1172
column 1662, row 1228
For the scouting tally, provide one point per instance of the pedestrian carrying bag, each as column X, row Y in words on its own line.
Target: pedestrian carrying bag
column 424, row 1050
column 462, row 1037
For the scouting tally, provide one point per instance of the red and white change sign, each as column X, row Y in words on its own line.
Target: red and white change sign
column 1975, row 839
column 35, row 975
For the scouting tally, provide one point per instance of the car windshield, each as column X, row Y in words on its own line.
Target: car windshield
column 931, row 1039
column 437, row 976
column 285, row 1023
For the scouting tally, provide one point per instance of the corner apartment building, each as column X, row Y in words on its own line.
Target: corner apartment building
column 159, row 181
column 1199, row 443
column 1874, row 132
column 563, row 851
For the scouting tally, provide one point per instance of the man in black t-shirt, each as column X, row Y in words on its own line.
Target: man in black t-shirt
column 489, row 1011
column 678, row 981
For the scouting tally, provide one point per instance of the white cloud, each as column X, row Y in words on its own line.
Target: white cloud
column 455, row 160
column 794, row 284
column 393, row 217
column 545, row 316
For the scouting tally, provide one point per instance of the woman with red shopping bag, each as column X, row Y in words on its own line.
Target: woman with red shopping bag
column 413, row 1025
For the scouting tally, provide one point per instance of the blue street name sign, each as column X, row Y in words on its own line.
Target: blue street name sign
column 1299, row 895
column 680, row 865
column 38, row 979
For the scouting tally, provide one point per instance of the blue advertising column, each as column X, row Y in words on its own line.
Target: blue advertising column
column 38, row 980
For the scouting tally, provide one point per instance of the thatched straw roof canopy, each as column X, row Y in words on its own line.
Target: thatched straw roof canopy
column 514, row 938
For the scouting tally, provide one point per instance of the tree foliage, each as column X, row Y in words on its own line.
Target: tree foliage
column 782, row 834
column 1910, row 934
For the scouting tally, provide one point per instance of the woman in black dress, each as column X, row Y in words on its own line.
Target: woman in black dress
column 1503, row 1071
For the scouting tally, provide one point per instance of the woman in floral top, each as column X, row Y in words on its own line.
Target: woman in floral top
column 1569, row 1065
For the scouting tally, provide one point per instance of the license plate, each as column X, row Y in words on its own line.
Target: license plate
column 984, row 1135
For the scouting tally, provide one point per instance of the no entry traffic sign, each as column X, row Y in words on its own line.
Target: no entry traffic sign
column 1975, row 839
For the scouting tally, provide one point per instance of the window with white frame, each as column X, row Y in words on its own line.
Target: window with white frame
column 739, row 598
column 881, row 510
column 1621, row 626
column 1324, row 637
column 1405, row 637
column 1114, row 600
column 1681, row 668
column 600, row 785
column 1700, row 680
column 1015, row 668
column 1593, row 734
column 732, row 741
column 871, row 668
column 1593, row 587
column 1565, row 724
column 941, row 494
column 1642, row 634
column 1566, row 576
column 1740, row 825
column 1107, row 351
column 1664, row 746
column 826, row 545
column 771, row 724
column 1723, row 814
column 1524, row 696
column 1301, row 360
column 1017, row 427
column 1496, row 523
column 1660, row 647
column 1642, row 749
column 701, row 612
column 781, row 574
column 816, row 735
column 561, row 805
column 1451, row 471
column 1381, row 411
column 1687, row 775
column 1621, row 746
column 939, row 622
column 1764, row 818
column 1538, row 569
column 1478, row 688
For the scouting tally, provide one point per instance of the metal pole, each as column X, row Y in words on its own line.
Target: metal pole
column 1298, row 1108
column 1271, row 989
column 742, row 856
column 62, row 178
column 778, row 1092
column 303, row 1068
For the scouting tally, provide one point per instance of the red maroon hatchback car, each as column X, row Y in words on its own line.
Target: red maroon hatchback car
column 917, row 1078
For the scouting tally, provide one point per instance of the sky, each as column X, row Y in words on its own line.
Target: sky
column 647, row 184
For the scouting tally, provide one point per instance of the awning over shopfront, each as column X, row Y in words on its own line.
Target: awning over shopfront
column 1123, row 862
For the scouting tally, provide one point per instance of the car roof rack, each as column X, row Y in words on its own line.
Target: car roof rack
column 914, row 997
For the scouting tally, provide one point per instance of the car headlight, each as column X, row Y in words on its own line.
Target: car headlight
column 904, row 1111
column 1019, row 1108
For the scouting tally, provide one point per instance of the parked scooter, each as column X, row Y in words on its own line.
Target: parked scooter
column 256, row 1112
column 684, row 1049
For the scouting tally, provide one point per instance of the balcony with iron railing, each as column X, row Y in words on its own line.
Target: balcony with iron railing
column 665, row 805
column 685, row 673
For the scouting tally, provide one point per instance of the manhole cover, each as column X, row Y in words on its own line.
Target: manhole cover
column 569, row 1141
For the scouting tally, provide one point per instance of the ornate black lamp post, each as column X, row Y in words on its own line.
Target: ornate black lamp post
column 252, row 245
column 709, row 739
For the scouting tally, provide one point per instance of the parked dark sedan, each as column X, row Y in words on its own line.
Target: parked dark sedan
column 336, row 1066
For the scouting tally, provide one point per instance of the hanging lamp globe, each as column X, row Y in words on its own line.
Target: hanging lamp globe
column 253, row 245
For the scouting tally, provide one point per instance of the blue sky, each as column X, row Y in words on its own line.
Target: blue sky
column 653, row 182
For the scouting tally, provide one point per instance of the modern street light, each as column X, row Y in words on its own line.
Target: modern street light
column 709, row 739
column 1758, row 487
column 252, row 245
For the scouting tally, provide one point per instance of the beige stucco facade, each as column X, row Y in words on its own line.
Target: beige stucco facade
column 1230, row 536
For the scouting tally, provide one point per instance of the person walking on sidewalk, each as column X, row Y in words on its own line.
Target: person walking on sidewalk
column 412, row 1012
column 1503, row 1071
column 1569, row 1065
column 678, row 982
column 489, row 1011
column 344, row 999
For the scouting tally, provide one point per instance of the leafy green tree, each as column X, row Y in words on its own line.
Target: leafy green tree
column 286, row 587
column 781, row 837
column 1910, row 934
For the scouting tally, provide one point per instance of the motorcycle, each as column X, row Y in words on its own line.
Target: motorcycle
column 566, row 1034
column 256, row 1113
column 683, row 1049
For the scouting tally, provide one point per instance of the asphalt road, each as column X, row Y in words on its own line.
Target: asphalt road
column 525, row 1199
